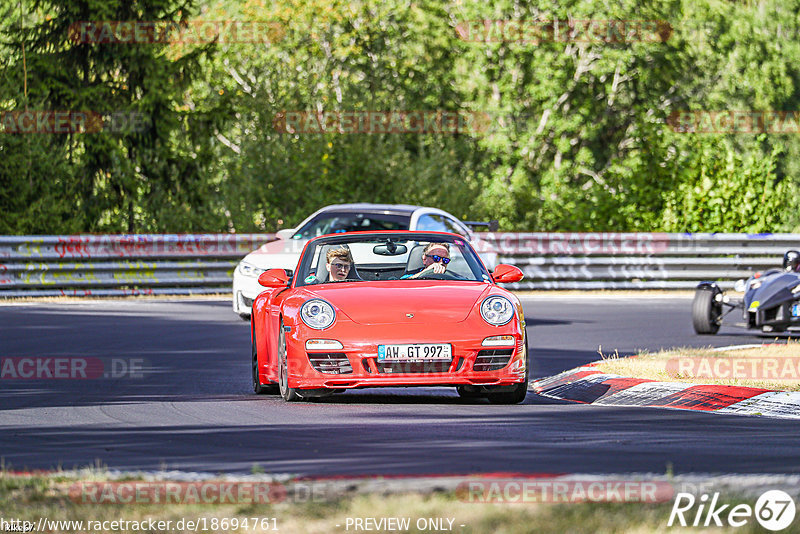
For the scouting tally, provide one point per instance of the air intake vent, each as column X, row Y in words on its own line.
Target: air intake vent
column 492, row 360
column 412, row 367
column 333, row 363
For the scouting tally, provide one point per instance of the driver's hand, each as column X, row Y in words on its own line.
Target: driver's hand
column 438, row 268
column 426, row 270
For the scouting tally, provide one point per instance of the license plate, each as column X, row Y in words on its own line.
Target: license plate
column 796, row 310
column 415, row 352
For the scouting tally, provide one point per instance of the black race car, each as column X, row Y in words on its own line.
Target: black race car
column 771, row 300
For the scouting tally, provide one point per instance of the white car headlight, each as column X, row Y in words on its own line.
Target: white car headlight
column 317, row 314
column 250, row 270
column 497, row 311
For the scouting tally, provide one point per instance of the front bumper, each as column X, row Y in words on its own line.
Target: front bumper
column 245, row 290
column 356, row 364
column 779, row 317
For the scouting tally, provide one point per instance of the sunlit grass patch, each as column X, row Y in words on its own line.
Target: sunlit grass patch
column 33, row 497
column 770, row 366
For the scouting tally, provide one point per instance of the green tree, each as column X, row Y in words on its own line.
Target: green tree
column 148, row 177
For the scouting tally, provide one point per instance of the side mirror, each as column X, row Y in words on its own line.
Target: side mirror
column 285, row 234
column 274, row 278
column 505, row 274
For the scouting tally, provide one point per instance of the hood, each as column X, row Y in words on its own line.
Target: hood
column 774, row 290
column 389, row 302
column 278, row 254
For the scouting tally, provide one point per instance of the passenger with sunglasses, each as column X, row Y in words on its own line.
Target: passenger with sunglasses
column 435, row 257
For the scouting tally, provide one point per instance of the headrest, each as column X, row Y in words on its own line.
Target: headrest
column 415, row 259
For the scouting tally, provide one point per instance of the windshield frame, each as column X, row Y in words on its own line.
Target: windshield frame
column 394, row 218
column 308, row 255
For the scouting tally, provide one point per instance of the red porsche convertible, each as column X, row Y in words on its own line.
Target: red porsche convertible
column 376, row 309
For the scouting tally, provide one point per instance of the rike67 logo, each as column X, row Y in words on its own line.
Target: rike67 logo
column 774, row 510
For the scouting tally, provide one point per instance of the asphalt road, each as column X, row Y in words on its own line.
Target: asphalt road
column 191, row 406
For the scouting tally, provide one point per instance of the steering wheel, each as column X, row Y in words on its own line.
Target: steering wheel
column 440, row 276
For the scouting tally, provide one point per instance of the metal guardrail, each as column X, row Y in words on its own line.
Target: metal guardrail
column 638, row 260
column 118, row 265
column 174, row 264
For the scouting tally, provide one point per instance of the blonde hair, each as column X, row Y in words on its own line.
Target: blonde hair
column 343, row 253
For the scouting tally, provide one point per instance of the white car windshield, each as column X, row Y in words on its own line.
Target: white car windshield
column 390, row 258
column 339, row 222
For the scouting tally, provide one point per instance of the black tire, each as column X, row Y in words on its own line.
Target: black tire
column 288, row 394
column 258, row 387
column 511, row 397
column 464, row 393
column 706, row 311
column 521, row 389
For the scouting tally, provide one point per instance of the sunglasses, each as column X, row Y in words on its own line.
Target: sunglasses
column 438, row 259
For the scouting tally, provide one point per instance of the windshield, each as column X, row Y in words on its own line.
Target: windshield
column 387, row 258
column 339, row 222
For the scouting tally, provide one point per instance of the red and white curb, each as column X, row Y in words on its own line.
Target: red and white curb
column 588, row 385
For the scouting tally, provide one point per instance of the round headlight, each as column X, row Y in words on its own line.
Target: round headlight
column 497, row 311
column 317, row 314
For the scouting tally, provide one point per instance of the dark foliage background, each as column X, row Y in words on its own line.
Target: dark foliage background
column 583, row 145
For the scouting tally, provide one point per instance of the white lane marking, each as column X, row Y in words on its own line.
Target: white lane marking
column 740, row 347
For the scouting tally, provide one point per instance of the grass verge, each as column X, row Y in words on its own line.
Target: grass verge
column 33, row 497
column 774, row 367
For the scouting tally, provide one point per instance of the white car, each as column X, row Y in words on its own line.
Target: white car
column 284, row 252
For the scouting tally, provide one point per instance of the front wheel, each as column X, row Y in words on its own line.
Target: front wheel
column 706, row 311
column 511, row 397
column 288, row 394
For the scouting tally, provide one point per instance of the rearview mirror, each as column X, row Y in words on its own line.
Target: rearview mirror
column 274, row 278
column 505, row 274
column 390, row 249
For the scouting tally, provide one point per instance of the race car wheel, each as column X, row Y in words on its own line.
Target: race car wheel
column 288, row 394
column 258, row 387
column 706, row 311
